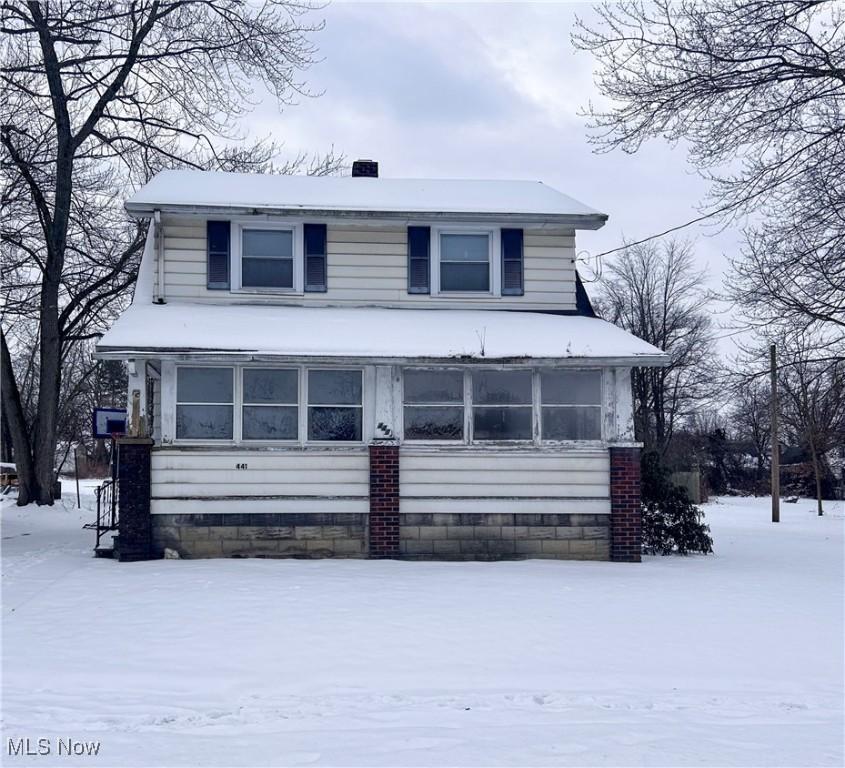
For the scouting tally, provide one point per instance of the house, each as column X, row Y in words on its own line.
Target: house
column 371, row 367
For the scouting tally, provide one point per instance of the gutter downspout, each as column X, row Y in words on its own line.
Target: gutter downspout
column 159, row 235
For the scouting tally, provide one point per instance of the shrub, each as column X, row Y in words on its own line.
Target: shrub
column 671, row 522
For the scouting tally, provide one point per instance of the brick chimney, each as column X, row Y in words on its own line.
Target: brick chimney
column 365, row 169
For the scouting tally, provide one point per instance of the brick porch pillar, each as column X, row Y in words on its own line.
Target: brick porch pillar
column 134, row 539
column 384, row 499
column 625, row 510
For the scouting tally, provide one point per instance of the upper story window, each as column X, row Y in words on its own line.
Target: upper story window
column 456, row 261
column 267, row 258
column 465, row 260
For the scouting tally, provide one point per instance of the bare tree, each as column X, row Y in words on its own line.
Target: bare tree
column 756, row 90
column 654, row 291
column 750, row 416
column 813, row 402
column 811, row 391
column 98, row 96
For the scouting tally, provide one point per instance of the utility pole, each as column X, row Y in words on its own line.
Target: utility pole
column 775, row 440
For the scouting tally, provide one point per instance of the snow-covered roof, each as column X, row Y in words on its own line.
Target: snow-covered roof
column 188, row 190
column 368, row 332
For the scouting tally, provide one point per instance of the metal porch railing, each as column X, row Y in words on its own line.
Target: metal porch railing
column 107, row 512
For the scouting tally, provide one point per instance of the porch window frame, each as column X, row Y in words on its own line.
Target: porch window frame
column 557, row 406
column 302, row 441
column 305, row 405
column 534, row 438
column 243, row 404
column 233, row 405
column 536, row 441
column 463, row 405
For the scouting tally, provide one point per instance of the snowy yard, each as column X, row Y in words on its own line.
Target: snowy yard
column 732, row 659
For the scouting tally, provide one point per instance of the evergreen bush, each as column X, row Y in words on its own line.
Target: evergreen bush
column 671, row 522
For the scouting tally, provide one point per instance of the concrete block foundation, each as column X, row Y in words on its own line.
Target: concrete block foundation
column 446, row 536
column 309, row 535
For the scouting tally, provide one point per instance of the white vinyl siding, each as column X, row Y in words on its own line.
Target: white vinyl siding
column 487, row 481
column 367, row 264
column 201, row 481
column 336, row 480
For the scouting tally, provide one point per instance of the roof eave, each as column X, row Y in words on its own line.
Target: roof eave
column 246, row 355
column 572, row 221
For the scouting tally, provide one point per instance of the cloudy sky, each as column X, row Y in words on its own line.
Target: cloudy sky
column 484, row 91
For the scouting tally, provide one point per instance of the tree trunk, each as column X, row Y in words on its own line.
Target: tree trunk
column 28, row 489
column 55, row 231
column 818, row 475
column 761, row 466
column 7, row 455
column 49, row 384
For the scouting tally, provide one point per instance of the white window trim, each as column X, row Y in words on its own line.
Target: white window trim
column 170, row 374
column 600, row 405
column 242, row 404
column 236, row 252
column 536, row 440
column 494, row 235
column 532, row 406
column 463, row 404
column 233, row 405
column 306, row 404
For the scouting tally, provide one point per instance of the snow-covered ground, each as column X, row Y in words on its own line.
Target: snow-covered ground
column 730, row 659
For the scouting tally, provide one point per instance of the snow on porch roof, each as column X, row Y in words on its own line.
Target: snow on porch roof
column 368, row 332
column 190, row 190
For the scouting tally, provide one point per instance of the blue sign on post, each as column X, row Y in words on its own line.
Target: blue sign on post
column 108, row 422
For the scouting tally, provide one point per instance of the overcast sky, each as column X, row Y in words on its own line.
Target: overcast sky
column 484, row 91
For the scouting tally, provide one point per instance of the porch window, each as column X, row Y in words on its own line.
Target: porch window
column 267, row 258
column 204, row 403
column 270, row 404
column 571, row 405
column 335, row 407
column 502, row 405
column 434, row 404
column 465, row 262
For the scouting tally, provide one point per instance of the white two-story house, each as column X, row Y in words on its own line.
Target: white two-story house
column 363, row 366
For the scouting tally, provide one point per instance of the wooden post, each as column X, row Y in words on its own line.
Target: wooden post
column 76, row 472
column 774, row 439
column 136, row 399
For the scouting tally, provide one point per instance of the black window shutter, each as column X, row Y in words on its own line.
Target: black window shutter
column 419, row 266
column 315, row 257
column 512, row 263
column 218, row 237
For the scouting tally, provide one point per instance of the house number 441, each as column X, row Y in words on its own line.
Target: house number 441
column 240, row 466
